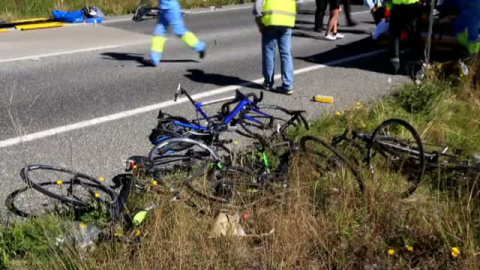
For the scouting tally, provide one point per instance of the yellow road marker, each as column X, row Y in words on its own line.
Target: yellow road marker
column 30, row 20
column 39, row 26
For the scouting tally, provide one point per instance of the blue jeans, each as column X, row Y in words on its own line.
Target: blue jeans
column 282, row 36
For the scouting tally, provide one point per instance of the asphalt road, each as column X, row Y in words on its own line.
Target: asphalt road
column 102, row 96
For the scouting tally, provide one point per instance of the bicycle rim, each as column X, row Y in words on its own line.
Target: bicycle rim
column 396, row 150
column 27, row 202
column 71, row 187
column 328, row 162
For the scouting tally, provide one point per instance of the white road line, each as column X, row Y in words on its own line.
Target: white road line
column 32, row 57
column 154, row 107
column 72, row 52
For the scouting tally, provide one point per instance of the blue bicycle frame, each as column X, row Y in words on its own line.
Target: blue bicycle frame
column 239, row 108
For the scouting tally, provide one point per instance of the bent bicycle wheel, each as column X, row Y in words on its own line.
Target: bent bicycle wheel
column 27, row 202
column 328, row 161
column 396, row 150
column 232, row 186
column 173, row 165
column 270, row 121
column 68, row 186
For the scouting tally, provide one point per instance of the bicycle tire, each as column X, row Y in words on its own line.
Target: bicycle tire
column 341, row 158
column 381, row 142
column 11, row 204
column 233, row 186
column 25, row 175
column 163, row 151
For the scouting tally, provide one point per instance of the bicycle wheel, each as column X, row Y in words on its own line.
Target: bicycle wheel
column 177, row 160
column 233, row 186
column 397, row 150
column 68, row 186
column 272, row 159
column 270, row 121
column 27, row 202
column 328, row 161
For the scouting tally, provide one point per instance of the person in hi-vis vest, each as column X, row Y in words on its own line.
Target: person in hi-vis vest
column 171, row 15
column 275, row 20
column 405, row 16
column 468, row 24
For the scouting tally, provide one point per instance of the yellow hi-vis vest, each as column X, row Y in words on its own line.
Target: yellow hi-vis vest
column 405, row 2
column 279, row 13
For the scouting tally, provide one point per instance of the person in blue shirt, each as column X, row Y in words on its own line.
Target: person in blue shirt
column 467, row 25
column 171, row 15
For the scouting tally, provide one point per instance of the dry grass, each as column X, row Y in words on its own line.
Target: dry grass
column 323, row 221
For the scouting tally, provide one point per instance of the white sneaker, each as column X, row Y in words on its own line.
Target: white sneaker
column 339, row 36
column 330, row 37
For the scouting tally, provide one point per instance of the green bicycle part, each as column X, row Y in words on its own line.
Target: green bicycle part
column 265, row 161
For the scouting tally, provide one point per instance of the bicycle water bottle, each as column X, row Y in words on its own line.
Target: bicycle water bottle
column 323, row 99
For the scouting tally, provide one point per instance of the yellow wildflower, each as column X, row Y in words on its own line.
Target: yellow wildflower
column 101, row 178
column 456, row 252
column 138, row 233
column 59, row 182
column 83, row 225
column 338, row 113
column 391, row 252
column 154, row 182
column 409, row 248
column 97, row 195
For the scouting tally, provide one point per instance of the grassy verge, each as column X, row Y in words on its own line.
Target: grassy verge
column 320, row 223
column 22, row 9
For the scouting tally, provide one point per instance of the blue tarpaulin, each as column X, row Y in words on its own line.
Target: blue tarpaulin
column 68, row 16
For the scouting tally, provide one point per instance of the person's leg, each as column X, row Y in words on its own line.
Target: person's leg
column 284, row 40
column 320, row 14
column 415, row 43
column 473, row 24
column 348, row 16
column 332, row 23
column 461, row 26
column 159, row 39
column 269, row 45
column 180, row 30
column 396, row 31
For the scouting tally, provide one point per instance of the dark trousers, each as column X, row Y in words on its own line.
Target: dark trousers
column 320, row 13
column 322, row 8
column 406, row 18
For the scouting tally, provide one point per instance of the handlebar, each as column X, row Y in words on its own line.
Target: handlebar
column 256, row 98
column 240, row 96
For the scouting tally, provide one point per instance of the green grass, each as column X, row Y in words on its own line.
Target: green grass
column 21, row 9
column 320, row 221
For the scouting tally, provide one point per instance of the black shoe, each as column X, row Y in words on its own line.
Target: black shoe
column 352, row 23
column 283, row 90
column 202, row 54
column 267, row 87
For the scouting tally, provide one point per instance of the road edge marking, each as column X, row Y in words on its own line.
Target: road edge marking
column 164, row 104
